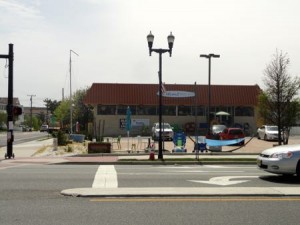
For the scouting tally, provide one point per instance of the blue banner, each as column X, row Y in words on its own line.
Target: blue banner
column 211, row 142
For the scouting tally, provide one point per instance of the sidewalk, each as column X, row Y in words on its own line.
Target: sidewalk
column 42, row 151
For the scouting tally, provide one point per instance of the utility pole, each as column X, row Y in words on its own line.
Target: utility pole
column 9, row 108
column 31, row 109
column 71, row 99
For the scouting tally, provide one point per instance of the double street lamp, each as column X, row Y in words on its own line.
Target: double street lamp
column 160, row 51
column 209, row 56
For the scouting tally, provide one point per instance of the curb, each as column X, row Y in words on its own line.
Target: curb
column 183, row 192
column 160, row 163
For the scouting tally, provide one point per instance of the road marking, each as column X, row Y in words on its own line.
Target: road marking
column 246, row 199
column 105, row 177
column 224, row 180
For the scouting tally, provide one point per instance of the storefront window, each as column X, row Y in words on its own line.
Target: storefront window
column 145, row 110
column 106, row 110
column 122, row 109
column 244, row 111
column 169, row 110
column 200, row 110
column 184, row 110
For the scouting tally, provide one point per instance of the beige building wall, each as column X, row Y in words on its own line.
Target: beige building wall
column 109, row 125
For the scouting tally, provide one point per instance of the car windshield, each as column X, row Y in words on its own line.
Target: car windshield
column 164, row 126
column 273, row 128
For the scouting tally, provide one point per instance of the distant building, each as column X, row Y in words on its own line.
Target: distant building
column 35, row 111
column 26, row 110
column 111, row 100
column 3, row 103
column 40, row 112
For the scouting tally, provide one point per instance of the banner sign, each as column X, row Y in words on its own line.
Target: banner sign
column 140, row 122
column 211, row 142
column 178, row 94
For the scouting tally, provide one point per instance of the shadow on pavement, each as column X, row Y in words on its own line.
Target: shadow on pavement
column 281, row 179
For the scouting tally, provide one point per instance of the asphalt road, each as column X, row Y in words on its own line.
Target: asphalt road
column 22, row 137
column 30, row 194
column 199, row 176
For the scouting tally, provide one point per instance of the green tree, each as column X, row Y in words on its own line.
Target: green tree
column 82, row 113
column 62, row 113
column 51, row 105
column 42, row 117
column 277, row 104
column 36, row 122
column 3, row 119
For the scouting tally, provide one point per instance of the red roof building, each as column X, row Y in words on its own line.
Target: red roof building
column 110, row 101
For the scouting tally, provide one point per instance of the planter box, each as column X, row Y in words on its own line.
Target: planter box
column 99, row 147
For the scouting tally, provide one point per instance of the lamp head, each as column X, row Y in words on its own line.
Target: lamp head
column 150, row 39
column 171, row 39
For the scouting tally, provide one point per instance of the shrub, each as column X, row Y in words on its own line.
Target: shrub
column 61, row 136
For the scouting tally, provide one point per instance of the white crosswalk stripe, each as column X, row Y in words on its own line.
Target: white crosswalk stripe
column 106, row 177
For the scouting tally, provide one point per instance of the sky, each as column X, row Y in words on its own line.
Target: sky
column 109, row 37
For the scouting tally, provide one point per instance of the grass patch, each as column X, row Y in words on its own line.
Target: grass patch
column 40, row 151
column 44, row 138
column 69, row 148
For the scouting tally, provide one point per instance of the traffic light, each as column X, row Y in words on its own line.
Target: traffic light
column 17, row 110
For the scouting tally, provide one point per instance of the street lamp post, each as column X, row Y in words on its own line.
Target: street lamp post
column 160, row 51
column 209, row 56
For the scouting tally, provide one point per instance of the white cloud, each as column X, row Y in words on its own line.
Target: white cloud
column 19, row 9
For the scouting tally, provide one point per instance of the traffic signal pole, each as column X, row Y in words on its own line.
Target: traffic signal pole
column 9, row 108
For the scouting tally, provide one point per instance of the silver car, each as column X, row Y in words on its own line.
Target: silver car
column 167, row 131
column 283, row 159
column 267, row 132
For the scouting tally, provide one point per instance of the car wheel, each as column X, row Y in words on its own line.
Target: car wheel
column 258, row 137
column 265, row 137
column 298, row 169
